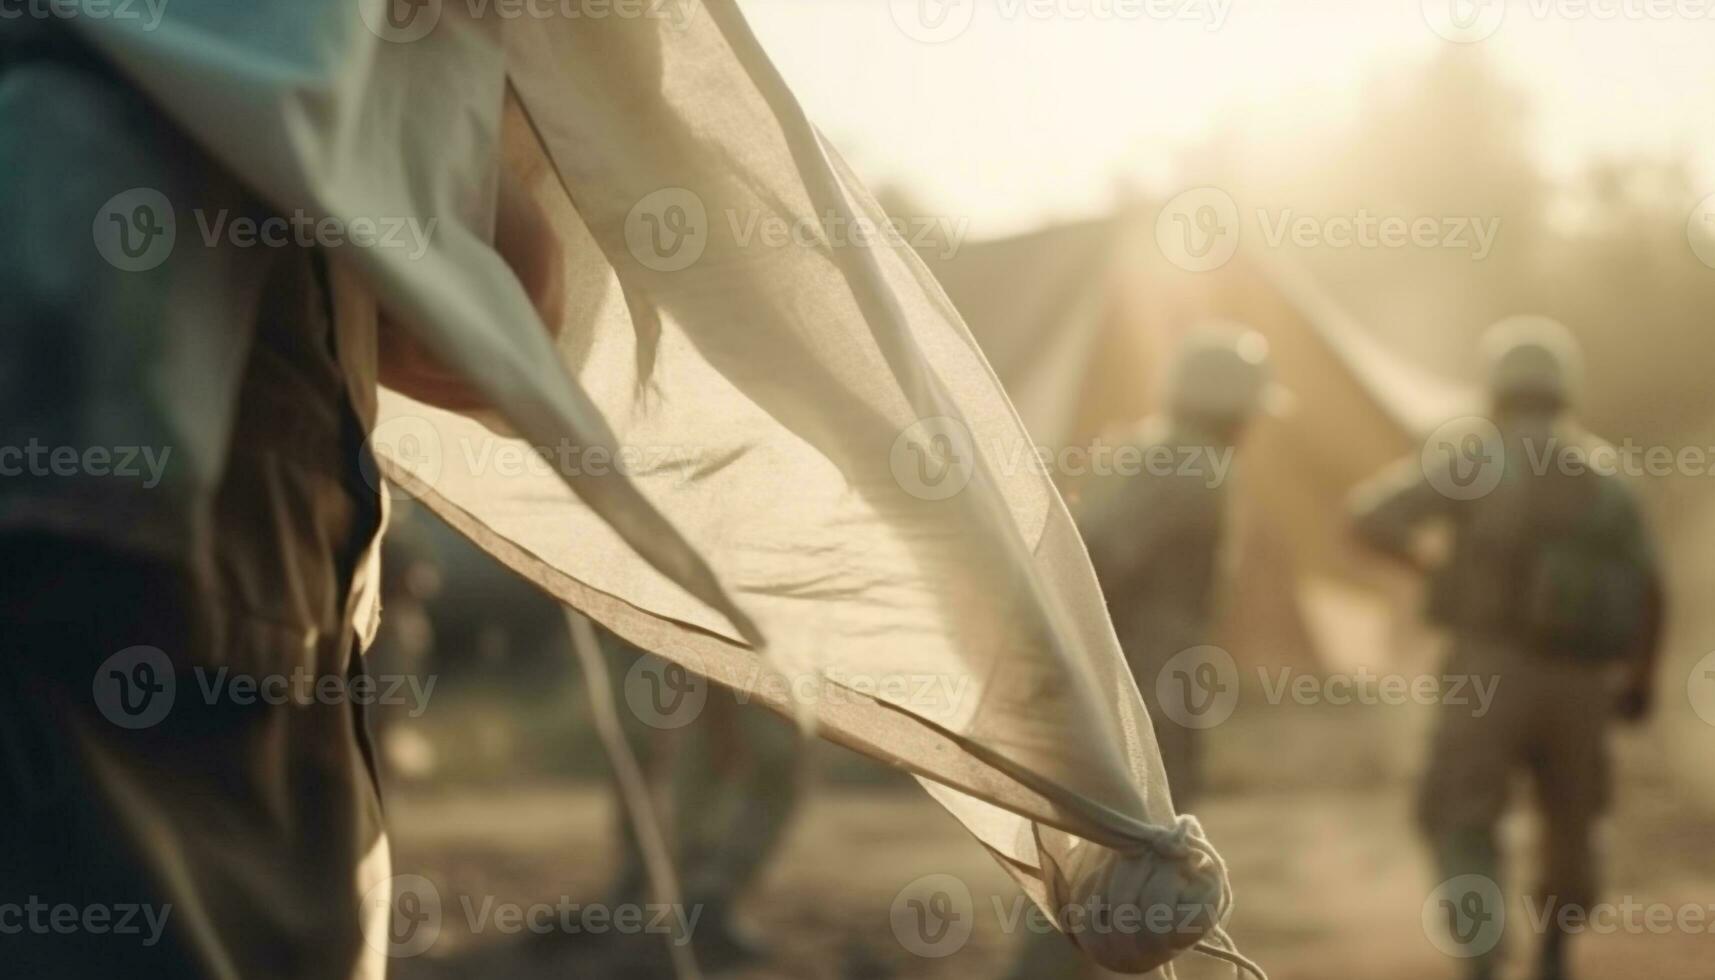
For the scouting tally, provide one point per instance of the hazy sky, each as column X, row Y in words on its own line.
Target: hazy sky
column 1028, row 110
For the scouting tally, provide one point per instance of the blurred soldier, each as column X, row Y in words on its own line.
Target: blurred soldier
column 1157, row 538
column 1156, row 532
column 1550, row 586
column 733, row 772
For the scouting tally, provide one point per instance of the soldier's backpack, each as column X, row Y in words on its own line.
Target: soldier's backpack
column 1587, row 584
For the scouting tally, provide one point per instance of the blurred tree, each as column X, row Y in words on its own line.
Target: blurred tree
column 1452, row 137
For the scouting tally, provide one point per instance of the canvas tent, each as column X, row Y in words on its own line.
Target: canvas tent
column 1079, row 320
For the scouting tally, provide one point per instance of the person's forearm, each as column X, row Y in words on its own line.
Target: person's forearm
column 525, row 240
column 1391, row 540
column 1646, row 657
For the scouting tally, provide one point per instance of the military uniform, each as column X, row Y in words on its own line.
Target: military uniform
column 1157, row 540
column 1156, row 543
column 251, row 829
column 1550, row 587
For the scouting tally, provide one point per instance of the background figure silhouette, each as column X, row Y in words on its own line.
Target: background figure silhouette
column 1157, row 540
column 1551, row 588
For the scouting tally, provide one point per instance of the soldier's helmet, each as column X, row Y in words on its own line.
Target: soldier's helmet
column 1222, row 372
column 1532, row 356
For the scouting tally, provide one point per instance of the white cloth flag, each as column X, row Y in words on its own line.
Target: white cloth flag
column 744, row 355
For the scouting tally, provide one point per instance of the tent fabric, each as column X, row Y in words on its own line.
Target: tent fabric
column 1416, row 400
column 1077, row 321
column 797, row 443
column 1038, row 305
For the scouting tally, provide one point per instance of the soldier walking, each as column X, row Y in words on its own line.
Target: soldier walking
column 1157, row 534
column 1158, row 539
column 1550, row 587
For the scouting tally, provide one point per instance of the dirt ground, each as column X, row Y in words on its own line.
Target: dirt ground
column 1331, row 884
